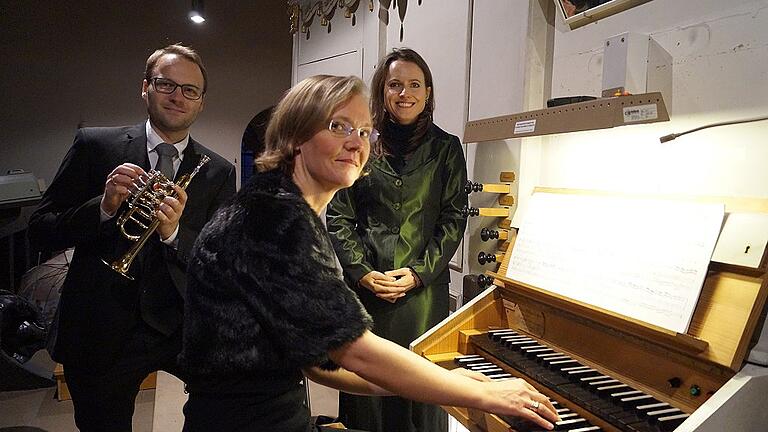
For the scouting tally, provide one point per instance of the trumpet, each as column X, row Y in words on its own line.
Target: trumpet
column 140, row 220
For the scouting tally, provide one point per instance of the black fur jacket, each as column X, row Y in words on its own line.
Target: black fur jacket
column 264, row 291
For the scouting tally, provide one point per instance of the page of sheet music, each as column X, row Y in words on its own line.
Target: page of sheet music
column 643, row 258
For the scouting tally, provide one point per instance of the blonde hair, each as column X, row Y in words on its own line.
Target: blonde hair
column 305, row 110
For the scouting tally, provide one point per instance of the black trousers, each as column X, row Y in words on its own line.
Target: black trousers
column 282, row 411
column 104, row 400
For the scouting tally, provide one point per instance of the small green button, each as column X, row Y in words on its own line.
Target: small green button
column 695, row 390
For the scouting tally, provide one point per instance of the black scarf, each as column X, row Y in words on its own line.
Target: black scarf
column 397, row 143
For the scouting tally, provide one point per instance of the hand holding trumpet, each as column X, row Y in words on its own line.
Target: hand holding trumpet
column 156, row 204
column 123, row 179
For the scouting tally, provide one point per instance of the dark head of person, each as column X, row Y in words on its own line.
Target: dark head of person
column 380, row 91
column 305, row 110
column 181, row 51
column 252, row 144
column 174, row 86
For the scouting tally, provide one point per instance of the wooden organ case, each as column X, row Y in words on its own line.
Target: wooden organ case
column 698, row 372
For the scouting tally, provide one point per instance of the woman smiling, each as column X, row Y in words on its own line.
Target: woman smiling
column 266, row 304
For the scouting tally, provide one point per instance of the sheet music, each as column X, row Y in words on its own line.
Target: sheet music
column 643, row 258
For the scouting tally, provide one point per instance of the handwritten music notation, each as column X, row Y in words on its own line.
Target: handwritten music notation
column 643, row 258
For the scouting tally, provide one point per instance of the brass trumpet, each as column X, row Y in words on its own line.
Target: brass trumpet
column 142, row 213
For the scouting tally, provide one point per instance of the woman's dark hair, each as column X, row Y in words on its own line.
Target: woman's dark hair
column 378, row 84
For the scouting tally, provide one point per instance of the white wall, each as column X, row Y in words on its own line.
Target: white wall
column 336, row 52
column 719, row 67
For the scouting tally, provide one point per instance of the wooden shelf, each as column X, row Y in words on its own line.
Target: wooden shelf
column 601, row 11
column 602, row 113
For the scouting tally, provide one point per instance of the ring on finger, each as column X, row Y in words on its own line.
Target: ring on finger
column 534, row 405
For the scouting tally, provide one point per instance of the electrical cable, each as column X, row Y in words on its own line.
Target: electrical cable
column 670, row 137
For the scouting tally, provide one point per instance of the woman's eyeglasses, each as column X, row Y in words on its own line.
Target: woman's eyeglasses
column 342, row 129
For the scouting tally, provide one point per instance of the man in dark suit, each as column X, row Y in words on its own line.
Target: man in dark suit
column 110, row 332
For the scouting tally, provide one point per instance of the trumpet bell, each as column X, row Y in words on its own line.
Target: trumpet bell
column 119, row 266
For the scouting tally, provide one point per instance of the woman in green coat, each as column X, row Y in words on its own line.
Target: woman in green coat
column 396, row 229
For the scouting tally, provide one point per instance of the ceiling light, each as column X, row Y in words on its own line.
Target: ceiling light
column 197, row 13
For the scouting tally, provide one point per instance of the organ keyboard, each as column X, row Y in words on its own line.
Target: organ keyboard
column 609, row 372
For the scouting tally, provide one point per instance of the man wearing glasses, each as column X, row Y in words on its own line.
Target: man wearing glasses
column 110, row 332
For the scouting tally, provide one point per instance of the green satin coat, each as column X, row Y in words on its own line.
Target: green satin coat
column 387, row 221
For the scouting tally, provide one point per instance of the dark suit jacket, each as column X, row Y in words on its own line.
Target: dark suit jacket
column 99, row 308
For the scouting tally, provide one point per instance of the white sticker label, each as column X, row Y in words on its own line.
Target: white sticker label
column 640, row 113
column 525, row 126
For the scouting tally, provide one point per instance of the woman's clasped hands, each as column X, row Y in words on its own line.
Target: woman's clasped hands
column 390, row 285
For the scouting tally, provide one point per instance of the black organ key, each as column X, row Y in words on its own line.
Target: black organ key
column 626, row 393
column 464, row 359
column 521, row 343
column 612, row 387
column 647, row 408
column 576, row 368
column 484, row 368
column 496, row 334
column 653, row 415
column 537, row 351
column 476, row 362
column 514, row 337
column 594, row 385
column 570, row 424
column 547, row 356
column 527, row 348
column 634, row 401
column 492, row 368
column 584, row 377
column 559, row 364
column 671, row 422
column 578, row 374
column 547, row 361
column 515, row 343
column 487, row 371
column 484, row 365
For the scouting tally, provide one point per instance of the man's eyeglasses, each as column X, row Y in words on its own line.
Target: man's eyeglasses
column 342, row 129
column 166, row 86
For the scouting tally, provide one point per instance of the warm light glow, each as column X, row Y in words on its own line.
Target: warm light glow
column 196, row 18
